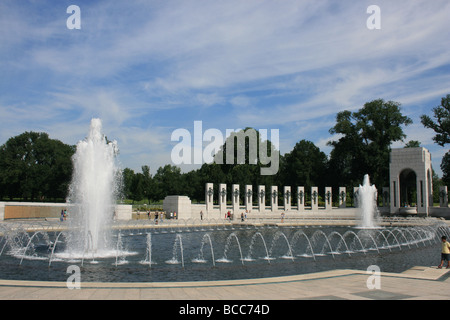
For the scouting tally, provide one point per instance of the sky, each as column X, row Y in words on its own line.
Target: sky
column 148, row 68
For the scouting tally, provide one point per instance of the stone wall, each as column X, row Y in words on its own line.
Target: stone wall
column 181, row 205
column 29, row 210
column 26, row 210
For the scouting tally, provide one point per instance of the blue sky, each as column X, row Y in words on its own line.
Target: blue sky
column 147, row 68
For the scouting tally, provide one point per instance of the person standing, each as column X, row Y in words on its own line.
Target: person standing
column 445, row 252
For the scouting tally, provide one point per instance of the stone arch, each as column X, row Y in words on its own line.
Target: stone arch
column 410, row 178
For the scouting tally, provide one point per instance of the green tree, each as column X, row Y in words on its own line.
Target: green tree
column 248, row 150
column 412, row 144
column 445, row 167
column 365, row 142
column 167, row 181
column 147, row 182
column 441, row 125
column 193, row 185
column 127, row 179
column 305, row 166
column 33, row 166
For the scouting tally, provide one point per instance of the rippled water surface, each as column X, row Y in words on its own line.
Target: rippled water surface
column 219, row 253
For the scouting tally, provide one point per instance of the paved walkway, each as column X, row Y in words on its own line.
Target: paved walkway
column 415, row 283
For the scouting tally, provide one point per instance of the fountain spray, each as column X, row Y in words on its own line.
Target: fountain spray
column 93, row 192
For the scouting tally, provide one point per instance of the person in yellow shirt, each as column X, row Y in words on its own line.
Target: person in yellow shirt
column 445, row 253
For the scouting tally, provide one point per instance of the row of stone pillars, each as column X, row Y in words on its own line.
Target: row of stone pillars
column 273, row 194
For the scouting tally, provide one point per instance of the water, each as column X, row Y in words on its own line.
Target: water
column 154, row 255
column 367, row 196
column 93, row 192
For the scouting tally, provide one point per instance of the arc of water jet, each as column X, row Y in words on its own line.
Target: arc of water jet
column 295, row 237
column 359, row 240
column 374, row 242
column 417, row 241
column 429, row 232
column 277, row 235
column 342, row 240
column 178, row 239
column 252, row 243
column 26, row 248
column 3, row 248
column 320, row 232
column 401, row 233
column 53, row 249
column 385, row 239
column 207, row 237
column 391, row 233
column 228, row 244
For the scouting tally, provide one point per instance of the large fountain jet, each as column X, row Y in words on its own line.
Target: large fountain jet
column 367, row 197
column 93, row 191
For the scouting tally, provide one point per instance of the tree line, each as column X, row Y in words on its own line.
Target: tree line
column 35, row 167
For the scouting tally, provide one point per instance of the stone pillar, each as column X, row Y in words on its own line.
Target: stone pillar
column 342, row 197
column 248, row 198
column 419, row 201
column 235, row 199
column 222, row 198
column 355, row 197
column 443, row 196
column 385, row 197
column 261, row 198
column 287, row 198
column 209, row 196
column 314, row 199
column 2, row 211
column 300, row 198
column 328, row 198
column 274, row 198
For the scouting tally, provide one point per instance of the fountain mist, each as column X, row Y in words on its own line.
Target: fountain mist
column 93, row 192
column 367, row 196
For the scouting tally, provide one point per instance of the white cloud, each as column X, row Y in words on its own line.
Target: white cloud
column 144, row 66
column 208, row 100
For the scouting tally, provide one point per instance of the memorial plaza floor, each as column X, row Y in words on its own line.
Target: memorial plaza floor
column 428, row 283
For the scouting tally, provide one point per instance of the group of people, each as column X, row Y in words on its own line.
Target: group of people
column 230, row 216
column 63, row 215
column 160, row 216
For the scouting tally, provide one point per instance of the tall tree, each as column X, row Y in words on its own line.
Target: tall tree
column 33, row 166
column 365, row 142
column 441, row 125
column 305, row 166
column 167, row 181
column 127, row 183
